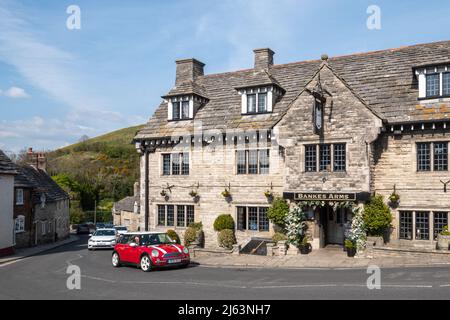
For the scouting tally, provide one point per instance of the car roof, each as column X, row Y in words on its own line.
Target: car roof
column 145, row 232
column 107, row 229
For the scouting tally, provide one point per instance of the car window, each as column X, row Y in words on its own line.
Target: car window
column 155, row 239
column 124, row 239
column 105, row 233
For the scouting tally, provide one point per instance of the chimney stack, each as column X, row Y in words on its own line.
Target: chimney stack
column 37, row 160
column 263, row 58
column 188, row 70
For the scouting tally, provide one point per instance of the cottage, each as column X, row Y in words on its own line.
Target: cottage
column 126, row 211
column 41, row 207
column 334, row 130
column 7, row 173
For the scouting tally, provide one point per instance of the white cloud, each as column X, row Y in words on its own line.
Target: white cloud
column 15, row 92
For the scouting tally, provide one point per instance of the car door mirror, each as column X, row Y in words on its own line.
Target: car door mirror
column 90, row 234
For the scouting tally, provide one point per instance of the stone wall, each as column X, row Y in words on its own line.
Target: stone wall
column 6, row 213
column 396, row 165
column 129, row 219
column 55, row 216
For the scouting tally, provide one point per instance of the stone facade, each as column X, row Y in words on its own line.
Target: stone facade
column 370, row 105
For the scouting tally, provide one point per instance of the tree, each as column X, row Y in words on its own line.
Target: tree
column 377, row 216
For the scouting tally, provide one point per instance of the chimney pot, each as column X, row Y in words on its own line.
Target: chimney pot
column 263, row 58
column 188, row 70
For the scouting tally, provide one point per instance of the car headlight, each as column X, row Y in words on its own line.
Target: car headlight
column 186, row 250
column 155, row 253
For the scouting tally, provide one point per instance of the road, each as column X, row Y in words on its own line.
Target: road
column 44, row 277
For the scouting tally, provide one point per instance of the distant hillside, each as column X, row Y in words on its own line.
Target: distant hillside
column 101, row 169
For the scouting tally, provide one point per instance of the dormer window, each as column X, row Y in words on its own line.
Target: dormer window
column 434, row 82
column 259, row 100
column 180, row 110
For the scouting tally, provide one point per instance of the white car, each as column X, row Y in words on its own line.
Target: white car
column 121, row 229
column 103, row 239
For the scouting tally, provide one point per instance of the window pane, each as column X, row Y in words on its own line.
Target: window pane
column 406, row 225
column 422, row 226
column 440, row 221
column 185, row 110
column 262, row 102
column 170, row 215
column 181, row 216
column 423, row 157
column 263, row 220
column 176, row 110
column 325, row 157
column 264, row 161
column 440, row 156
column 252, row 218
column 446, row 83
column 241, row 163
column 310, row 158
column 161, row 215
column 433, row 85
column 185, row 165
column 190, row 215
column 166, row 164
column 253, row 162
column 241, row 218
column 339, row 157
column 175, row 164
column 251, row 103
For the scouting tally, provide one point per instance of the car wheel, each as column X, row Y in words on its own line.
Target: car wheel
column 115, row 260
column 146, row 263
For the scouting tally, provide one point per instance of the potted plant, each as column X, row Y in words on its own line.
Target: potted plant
column 269, row 195
column 227, row 195
column 351, row 248
column 394, row 198
column 443, row 239
column 305, row 246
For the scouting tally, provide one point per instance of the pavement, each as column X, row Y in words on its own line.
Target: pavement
column 28, row 252
column 329, row 257
column 46, row 275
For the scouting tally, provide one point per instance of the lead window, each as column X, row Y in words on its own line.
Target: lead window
column 252, row 218
column 175, row 164
column 325, row 157
column 406, row 225
column 332, row 157
column 180, row 110
column 423, row 157
column 433, row 84
column 339, row 157
column 446, row 83
column 310, row 158
column 440, row 156
column 257, row 102
column 19, row 197
column 440, row 221
column 422, row 225
column 179, row 215
column 252, row 161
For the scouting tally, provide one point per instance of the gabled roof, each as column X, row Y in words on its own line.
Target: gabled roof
column 126, row 204
column 41, row 183
column 6, row 165
column 383, row 80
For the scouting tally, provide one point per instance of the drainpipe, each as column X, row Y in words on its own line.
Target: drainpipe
column 146, row 206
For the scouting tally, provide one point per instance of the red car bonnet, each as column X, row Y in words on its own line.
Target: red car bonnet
column 169, row 248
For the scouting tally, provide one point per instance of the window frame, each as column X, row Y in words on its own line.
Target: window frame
column 406, row 225
column 19, row 200
column 256, row 213
column 162, row 215
column 181, row 167
column 243, row 165
column 257, row 107
column 431, row 156
column 438, row 76
column 313, row 158
column 19, row 221
column 440, row 219
column 444, row 88
column 178, row 108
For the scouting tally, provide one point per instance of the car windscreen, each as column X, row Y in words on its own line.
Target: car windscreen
column 104, row 233
column 155, row 239
column 121, row 228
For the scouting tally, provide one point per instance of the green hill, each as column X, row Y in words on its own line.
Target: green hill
column 101, row 169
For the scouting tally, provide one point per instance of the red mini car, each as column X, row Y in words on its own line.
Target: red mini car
column 149, row 250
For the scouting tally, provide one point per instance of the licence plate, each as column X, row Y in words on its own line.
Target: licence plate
column 174, row 261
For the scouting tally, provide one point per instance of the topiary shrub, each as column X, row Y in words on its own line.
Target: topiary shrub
column 377, row 216
column 224, row 221
column 278, row 211
column 194, row 234
column 174, row 236
column 278, row 236
column 226, row 238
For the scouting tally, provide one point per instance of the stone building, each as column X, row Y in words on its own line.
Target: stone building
column 7, row 173
column 126, row 211
column 41, row 207
column 336, row 130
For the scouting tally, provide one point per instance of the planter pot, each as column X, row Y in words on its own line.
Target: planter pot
column 305, row 249
column 351, row 252
column 443, row 242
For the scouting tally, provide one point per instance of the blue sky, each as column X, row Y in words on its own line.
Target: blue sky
column 58, row 84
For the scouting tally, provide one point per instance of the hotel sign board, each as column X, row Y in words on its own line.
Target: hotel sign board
column 307, row 196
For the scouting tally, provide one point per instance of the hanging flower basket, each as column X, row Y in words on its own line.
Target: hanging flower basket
column 193, row 194
column 394, row 199
column 163, row 193
column 227, row 195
